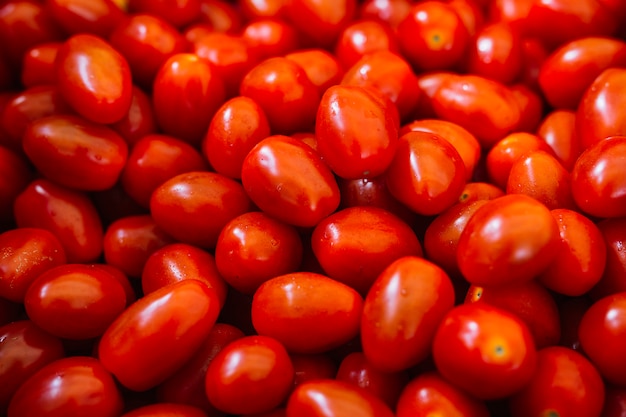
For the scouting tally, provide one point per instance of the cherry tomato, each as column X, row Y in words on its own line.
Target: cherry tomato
column 558, row 130
column 98, row 17
column 69, row 387
column 390, row 11
column 484, row 350
column 38, row 64
column 614, row 235
column 178, row 13
column 194, row 207
column 323, row 68
column 307, row 312
column 580, row 394
column 321, row 21
column 288, row 180
column 157, row 334
column 221, row 15
column 362, row 37
column 478, row 190
column 429, row 83
column 270, row 37
column 257, row 365
column 165, row 410
column 122, row 278
column 94, row 78
column 531, row 106
column 262, row 8
column 139, row 121
column 402, row 311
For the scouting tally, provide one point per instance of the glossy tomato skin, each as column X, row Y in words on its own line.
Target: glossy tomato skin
column 391, row 12
column 270, row 37
column 68, row 214
column 327, row 397
column 27, row 253
column 323, row 68
column 613, row 234
column 255, row 247
column 157, row 334
column 558, row 130
column 75, row 153
column 139, row 121
column 307, row 312
column 597, row 180
column 355, row 245
column 179, row 13
column 363, row 37
column 486, row 351
column 97, row 17
column 165, row 410
column 580, row 394
column 257, row 365
column 402, row 311
column 510, row 239
column 193, row 207
column 427, row 173
column 70, row 387
column 94, row 78
column 24, row 349
column 186, row 94
column 296, row 187
column 38, row 64
column 431, row 393
column 356, row 131
column 321, row 21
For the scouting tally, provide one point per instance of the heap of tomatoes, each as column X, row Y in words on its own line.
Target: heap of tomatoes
column 295, row 208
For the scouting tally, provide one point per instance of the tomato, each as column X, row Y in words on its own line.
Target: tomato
column 121, row 277
column 402, row 311
column 178, row 13
column 157, row 334
column 478, row 190
column 253, row 248
column 530, row 301
column 94, row 78
column 531, row 106
column 431, row 393
column 484, row 350
column 270, row 37
column 194, row 207
column 266, row 8
column 363, row 37
column 323, row 68
column 355, row 245
column 429, row 83
column 558, row 130
column 597, row 180
column 580, row 394
column 220, row 15
column 98, row 17
column 332, row 398
column 165, row 410
column 534, row 54
column 154, row 159
column 75, row 153
column 601, row 331
column 69, row 214
column 389, row 11
column 321, row 21
column 186, row 93
column 257, row 365
column 614, row 235
column 15, row 175
column 24, row 349
column 427, row 173
column 288, row 180
column 433, row 36
column 308, row 367
column 614, row 402
column 69, row 387
column 38, row 64
column 139, row 121
column 307, row 312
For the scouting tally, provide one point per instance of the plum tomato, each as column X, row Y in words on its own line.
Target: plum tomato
column 531, row 106
column 332, row 398
column 614, row 235
column 75, row 152
column 165, row 410
column 390, row 11
column 307, row 312
column 253, row 9
column 356, row 244
column 510, row 239
column 402, row 311
column 69, row 387
column 257, row 365
column 38, row 64
column 320, row 21
column 429, row 83
column 94, row 78
column 598, row 183
column 581, row 394
column 255, row 247
column 484, row 350
column 479, row 190
column 221, row 16
column 270, row 37
column 156, row 335
column 427, row 173
column 139, row 121
column 429, row 393
column 194, row 207
column 178, row 13
column 75, row 301
column 558, row 130
column 363, row 37
column 98, row 17
column 288, row 180
column 323, row 68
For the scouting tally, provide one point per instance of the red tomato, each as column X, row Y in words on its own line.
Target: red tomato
column 614, row 402
column 121, row 277
column 270, row 37
column 614, row 235
column 558, row 130
column 157, row 334
column 602, row 333
column 429, row 393
column 510, row 239
column 474, row 191
column 15, row 175
column 356, row 244
column 194, row 207
column 534, row 53
column 320, row 21
column 363, row 37
column 38, row 64
column 402, row 311
column 390, row 11
column 259, row 366
column 178, row 13
column 323, row 68
column 331, row 398
column 253, row 248
column 154, row 159
column 580, row 394
column 98, row 17
column 94, row 78
column 288, row 180
column 24, row 349
column 221, row 16
column 139, row 121
column 75, row 301
column 484, row 350
column 531, row 106
column 598, row 183
column 427, row 173
column 307, row 312
column 75, row 153
column 68, row 214
column 266, row 8
column 429, row 83
column 69, row 387
column 165, row 410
